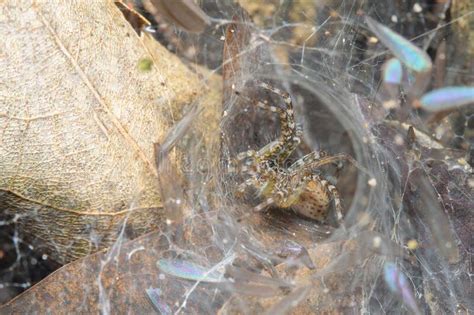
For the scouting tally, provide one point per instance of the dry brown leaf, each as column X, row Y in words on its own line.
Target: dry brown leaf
column 185, row 14
column 78, row 119
column 112, row 282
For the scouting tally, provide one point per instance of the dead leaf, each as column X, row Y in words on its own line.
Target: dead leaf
column 115, row 281
column 185, row 14
column 78, row 120
column 111, row 282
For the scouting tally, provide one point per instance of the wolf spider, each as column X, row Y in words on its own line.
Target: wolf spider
column 298, row 187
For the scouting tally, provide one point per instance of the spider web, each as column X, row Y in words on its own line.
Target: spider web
column 408, row 202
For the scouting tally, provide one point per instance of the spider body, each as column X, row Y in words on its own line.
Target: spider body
column 298, row 187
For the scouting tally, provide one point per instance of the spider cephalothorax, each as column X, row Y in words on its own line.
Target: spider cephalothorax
column 298, row 187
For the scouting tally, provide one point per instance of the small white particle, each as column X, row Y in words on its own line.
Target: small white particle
column 44, row 257
column 222, row 38
column 399, row 140
column 417, row 8
column 394, row 18
column 390, row 104
column 377, row 241
column 373, row 40
column 161, row 276
column 470, row 182
column 372, row 182
column 168, row 222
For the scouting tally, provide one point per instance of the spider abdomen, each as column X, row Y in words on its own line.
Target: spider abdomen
column 313, row 202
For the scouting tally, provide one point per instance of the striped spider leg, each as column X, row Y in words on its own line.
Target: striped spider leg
column 298, row 187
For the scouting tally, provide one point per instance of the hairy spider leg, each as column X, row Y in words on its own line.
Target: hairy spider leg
column 314, row 160
column 290, row 134
column 307, row 160
column 263, row 205
column 293, row 191
column 336, row 197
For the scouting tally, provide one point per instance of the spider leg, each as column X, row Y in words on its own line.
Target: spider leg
column 261, row 206
column 336, row 197
column 315, row 159
column 291, row 195
column 307, row 160
column 290, row 134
